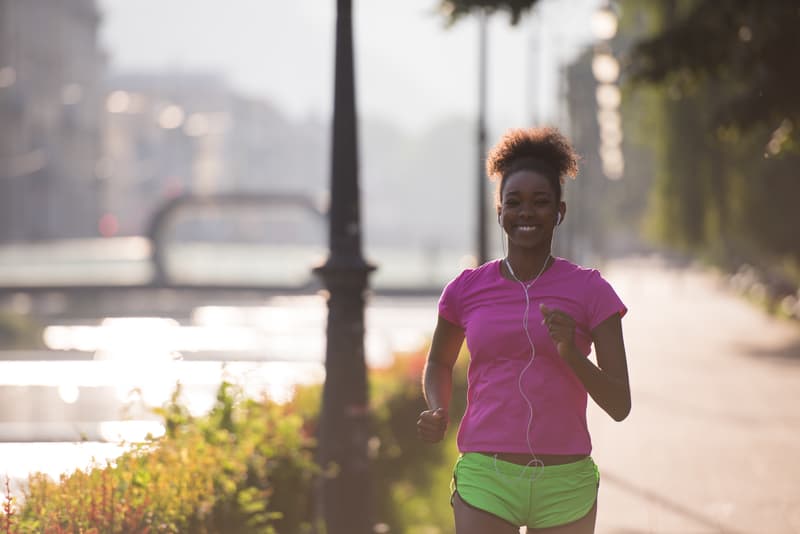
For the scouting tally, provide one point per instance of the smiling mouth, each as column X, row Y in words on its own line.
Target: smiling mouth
column 525, row 228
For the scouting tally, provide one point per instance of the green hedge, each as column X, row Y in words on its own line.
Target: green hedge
column 18, row 331
column 247, row 467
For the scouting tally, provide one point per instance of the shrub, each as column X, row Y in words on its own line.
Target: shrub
column 221, row 473
column 412, row 478
column 19, row 331
column 247, row 467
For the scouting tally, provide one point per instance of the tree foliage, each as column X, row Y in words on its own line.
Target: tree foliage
column 717, row 83
column 725, row 178
column 454, row 10
column 750, row 46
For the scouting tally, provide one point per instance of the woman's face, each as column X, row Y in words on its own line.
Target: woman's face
column 528, row 209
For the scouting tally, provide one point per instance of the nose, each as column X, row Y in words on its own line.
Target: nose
column 525, row 210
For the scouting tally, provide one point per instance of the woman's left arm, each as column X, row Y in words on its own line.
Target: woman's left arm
column 607, row 382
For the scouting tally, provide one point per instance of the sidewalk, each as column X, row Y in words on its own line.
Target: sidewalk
column 712, row 442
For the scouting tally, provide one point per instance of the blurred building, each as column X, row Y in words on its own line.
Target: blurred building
column 180, row 133
column 610, row 129
column 50, row 71
column 585, row 196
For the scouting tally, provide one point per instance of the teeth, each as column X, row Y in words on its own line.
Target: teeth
column 527, row 227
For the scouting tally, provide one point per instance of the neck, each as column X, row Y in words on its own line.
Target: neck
column 527, row 266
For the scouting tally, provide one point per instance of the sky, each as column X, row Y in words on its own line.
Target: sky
column 410, row 69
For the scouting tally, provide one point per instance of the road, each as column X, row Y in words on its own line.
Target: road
column 712, row 442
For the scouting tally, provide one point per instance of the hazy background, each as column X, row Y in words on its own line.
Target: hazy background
column 114, row 112
column 411, row 70
column 188, row 97
column 416, row 86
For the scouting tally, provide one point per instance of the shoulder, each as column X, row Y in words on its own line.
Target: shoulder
column 476, row 275
column 575, row 273
column 597, row 294
column 461, row 289
column 579, row 276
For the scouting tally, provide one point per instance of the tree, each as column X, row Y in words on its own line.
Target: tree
column 719, row 92
column 749, row 46
column 718, row 80
column 454, row 10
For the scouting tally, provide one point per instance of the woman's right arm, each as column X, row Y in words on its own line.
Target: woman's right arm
column 437, row 380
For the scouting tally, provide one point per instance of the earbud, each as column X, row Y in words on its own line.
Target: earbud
column 500, row 222
column 558, row 218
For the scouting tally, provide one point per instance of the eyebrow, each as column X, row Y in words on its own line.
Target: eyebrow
column 535, row 193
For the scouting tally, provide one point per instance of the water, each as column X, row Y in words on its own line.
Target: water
column 133, row 363
column 129, row 364
column 128, row 260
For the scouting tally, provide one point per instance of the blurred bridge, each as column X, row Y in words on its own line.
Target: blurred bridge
column 161, row 271
column 139, row 313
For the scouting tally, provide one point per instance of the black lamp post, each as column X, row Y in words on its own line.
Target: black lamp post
column 345, row 408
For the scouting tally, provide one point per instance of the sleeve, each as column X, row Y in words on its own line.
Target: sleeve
column 602, row 300
column 450, row 301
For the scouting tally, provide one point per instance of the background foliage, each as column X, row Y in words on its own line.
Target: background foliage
column 724, row 138
column 247, row 467
column 712, row 129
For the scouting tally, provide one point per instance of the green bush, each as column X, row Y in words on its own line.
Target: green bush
column 19, row 332
column 411, row 478
column 247, row 467
column 232, row 471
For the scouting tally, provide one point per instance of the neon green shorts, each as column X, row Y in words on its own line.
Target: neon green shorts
column 533, row 496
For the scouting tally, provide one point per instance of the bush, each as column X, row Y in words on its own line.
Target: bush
column 19, row 332
column 247, row 467
column 412, row 478
column 227, row 472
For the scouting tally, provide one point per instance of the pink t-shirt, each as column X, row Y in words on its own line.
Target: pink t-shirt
column 490, row 309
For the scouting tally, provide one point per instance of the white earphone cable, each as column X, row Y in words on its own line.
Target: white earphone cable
column 535, row 463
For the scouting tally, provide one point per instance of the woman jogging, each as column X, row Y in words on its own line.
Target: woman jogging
column 529, row 320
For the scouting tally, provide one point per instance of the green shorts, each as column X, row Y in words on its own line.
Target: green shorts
column 533, row 496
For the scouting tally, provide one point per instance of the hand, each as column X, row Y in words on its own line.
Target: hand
column 562, row 330
column 432, row 425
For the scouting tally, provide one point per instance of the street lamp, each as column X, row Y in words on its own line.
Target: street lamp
column 605, row 69
column 344, row 495
column 604, row 23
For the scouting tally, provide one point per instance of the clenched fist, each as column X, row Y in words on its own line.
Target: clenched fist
column 432, row 425
column 561, row 328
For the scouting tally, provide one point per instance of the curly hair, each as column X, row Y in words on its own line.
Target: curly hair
column 544, row 150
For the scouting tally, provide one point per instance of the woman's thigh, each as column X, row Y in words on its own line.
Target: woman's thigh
column 584, row 525
column 471, row 520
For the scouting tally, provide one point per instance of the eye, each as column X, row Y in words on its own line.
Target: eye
column 511, row 202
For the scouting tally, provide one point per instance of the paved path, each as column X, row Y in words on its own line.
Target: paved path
column 713, row 441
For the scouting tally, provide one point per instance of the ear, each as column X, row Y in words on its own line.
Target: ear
column 562, row 212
